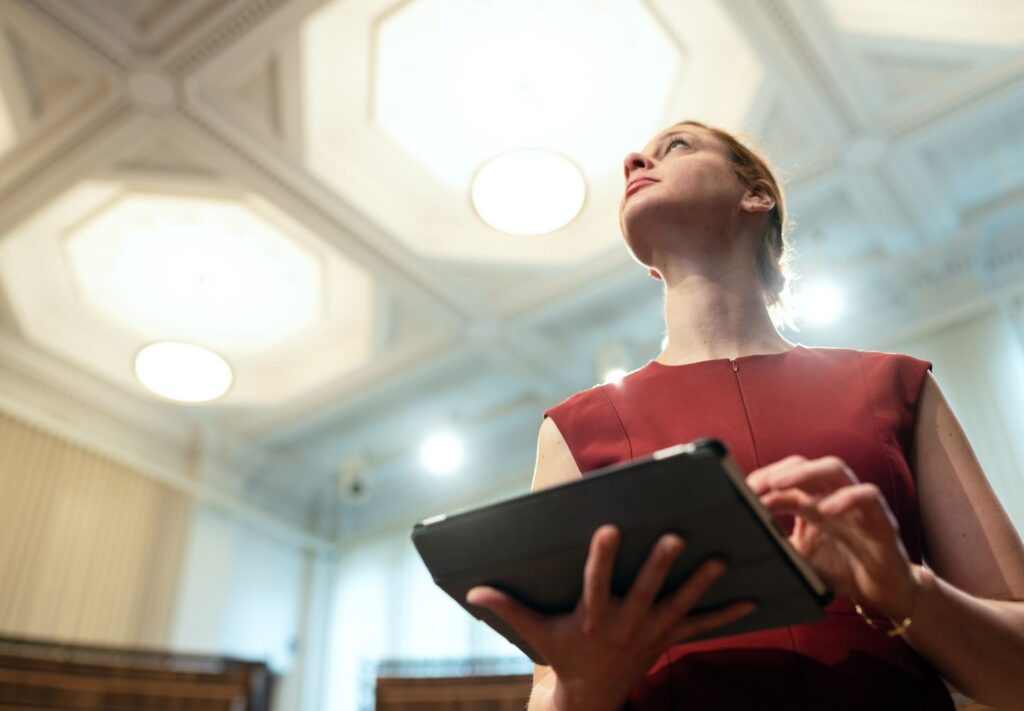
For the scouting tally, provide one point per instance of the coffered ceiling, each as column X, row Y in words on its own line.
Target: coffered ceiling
column 287, row 182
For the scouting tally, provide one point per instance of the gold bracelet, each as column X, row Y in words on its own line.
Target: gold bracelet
column 896, row 631
column 902, row 627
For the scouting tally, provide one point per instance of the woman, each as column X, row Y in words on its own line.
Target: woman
column 857, row 452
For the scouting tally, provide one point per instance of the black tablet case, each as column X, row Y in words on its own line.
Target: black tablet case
column 534, row 546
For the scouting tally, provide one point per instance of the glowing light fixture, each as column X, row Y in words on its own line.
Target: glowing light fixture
column 183, row 372
column 442, row 453
column 819, row 303
column 528, row 192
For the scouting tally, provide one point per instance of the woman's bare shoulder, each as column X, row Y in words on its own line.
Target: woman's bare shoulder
column 555, row 463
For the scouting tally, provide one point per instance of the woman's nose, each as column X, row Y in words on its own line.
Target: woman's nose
column 636, row 161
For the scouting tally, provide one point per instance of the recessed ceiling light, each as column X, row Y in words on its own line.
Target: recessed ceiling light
column 442, row 453
column 528, row 192
column 183, row 372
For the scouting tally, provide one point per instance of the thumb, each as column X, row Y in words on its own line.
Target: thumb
column 527, row 622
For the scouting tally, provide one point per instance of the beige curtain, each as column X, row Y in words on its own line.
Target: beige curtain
column 89, row 549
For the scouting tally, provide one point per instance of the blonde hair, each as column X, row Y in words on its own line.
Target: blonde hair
column 775, row 252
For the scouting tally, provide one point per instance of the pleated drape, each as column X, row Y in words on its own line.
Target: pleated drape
column 90, row 550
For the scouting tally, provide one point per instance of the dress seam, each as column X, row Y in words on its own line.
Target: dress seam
column 746, row 414
column 887, row 446
column 618, row 418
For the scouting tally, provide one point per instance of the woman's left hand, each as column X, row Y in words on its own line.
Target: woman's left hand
column 843, row 528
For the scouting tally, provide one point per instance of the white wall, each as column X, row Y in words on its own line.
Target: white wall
column 247, row 595
column 387, row 607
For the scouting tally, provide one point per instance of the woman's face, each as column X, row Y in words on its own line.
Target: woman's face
column 680, row 184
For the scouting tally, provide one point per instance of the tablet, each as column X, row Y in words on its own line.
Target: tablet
column 534, row 546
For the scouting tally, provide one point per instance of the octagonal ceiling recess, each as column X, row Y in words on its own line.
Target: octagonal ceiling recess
column 433, row 90
column 461, row 81
column 105, row 269
column 208, row 271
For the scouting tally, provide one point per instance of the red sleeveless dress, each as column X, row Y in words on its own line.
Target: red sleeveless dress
column 858, row 405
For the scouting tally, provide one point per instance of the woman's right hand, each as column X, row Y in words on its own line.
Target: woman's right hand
column 601, row 649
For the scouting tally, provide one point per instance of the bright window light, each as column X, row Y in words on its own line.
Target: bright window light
column 819, row 304
column 442, row 453
column 183, row 372
column 528, row 192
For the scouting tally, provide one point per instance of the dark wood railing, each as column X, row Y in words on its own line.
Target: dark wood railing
column 37, row 674
column 470, row 693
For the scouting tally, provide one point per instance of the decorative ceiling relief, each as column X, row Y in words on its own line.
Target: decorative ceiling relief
column 44, row 80
column 260, row 93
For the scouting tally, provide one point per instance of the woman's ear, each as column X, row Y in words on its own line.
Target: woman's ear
column 758, row 198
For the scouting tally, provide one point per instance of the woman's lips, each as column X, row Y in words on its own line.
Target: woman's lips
column 637, row 184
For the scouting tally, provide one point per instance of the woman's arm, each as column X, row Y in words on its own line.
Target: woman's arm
column 969, row 617
column 555, row 464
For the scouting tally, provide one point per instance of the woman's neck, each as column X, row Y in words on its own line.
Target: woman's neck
column 708, row 319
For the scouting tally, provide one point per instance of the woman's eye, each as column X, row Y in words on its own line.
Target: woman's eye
column 673, row 142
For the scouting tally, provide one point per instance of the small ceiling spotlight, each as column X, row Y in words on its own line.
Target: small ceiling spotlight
column 354, row 483
column 183, row 372
column 528, row 192
column 442, row 453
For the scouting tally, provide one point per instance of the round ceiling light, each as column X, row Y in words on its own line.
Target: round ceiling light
column 442, row 453
column 528, row 192
column 183, row 372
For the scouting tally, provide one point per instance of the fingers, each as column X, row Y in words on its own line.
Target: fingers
column 527, row 622
column 791, row 501
column 816, row 476
column 700, row 624
column 689, row 593
column 859, row 515
column 648, row 583
column 867, row 496
column 597, row 576
column 860, row 505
